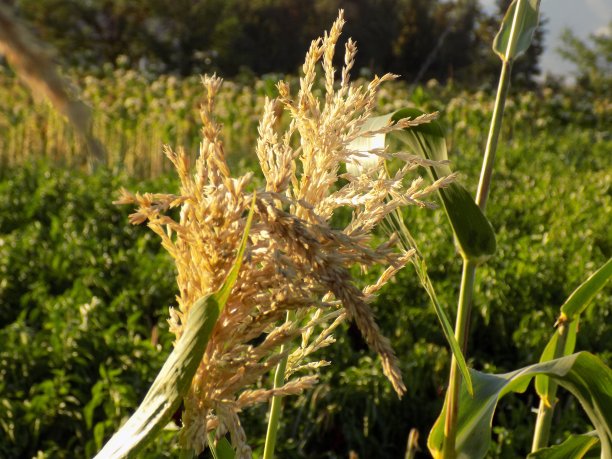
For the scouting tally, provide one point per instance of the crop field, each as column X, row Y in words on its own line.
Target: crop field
column 85, row 295
column 281, row 250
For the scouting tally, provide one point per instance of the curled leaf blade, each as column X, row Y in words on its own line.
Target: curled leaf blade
column 583, row 374
column 473, row 232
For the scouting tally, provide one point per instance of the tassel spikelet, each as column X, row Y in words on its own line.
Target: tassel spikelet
column 295, row 260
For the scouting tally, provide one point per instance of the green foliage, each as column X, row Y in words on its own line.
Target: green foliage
column 223, row 450
column 419, row 39
column 586, row 376
column 425, row 140
column 571, row 310
column 575, row 447
column 81, row 294
column 563, row 343
column 64, row 389
column 583, row 374
column 473, row 232
column 546, row 244
column 593, row 60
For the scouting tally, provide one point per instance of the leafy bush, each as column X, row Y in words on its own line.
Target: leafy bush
column 81, row 294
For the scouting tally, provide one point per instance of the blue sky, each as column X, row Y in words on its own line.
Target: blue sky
column 583, row 17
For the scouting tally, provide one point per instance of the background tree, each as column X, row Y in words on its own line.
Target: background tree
column 418, row 39
column 593, row 60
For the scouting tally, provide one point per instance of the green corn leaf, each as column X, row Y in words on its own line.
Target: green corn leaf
column 583, row 374
column 222, row 449
column 551, row 351
column 570, row 343
column 378, row 141
column 225, row 450
column 223, row 294
column 582, row 296
column 171, row 384
column 452, row 342
column 517, row 28
column 575, row 447
column 189, row 453
column 473, row 232
column 571, row 310
column 174, row 379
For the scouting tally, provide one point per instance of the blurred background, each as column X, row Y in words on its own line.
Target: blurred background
column 419, row 39
column 84, row 296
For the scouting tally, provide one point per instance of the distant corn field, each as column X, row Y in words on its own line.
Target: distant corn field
column 134, row 118
column 135, row 115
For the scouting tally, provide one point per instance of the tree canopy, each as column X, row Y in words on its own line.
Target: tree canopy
column 418, row 39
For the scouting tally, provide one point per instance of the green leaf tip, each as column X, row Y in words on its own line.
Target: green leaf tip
column 580, row 298
column 517, row 29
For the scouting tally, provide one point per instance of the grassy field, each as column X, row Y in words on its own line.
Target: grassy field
column 84, row 296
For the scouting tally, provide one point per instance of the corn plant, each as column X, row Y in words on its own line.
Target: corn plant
column 472, row 396
column 464, row 424
column 296, row 264
column 264, row 278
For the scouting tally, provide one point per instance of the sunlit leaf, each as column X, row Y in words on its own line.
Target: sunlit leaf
column 551, row 352
column 583, row 374
column 582, row 296
column 364, row 164
column 575, row 305
column 575, row 447
column 473, row 231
